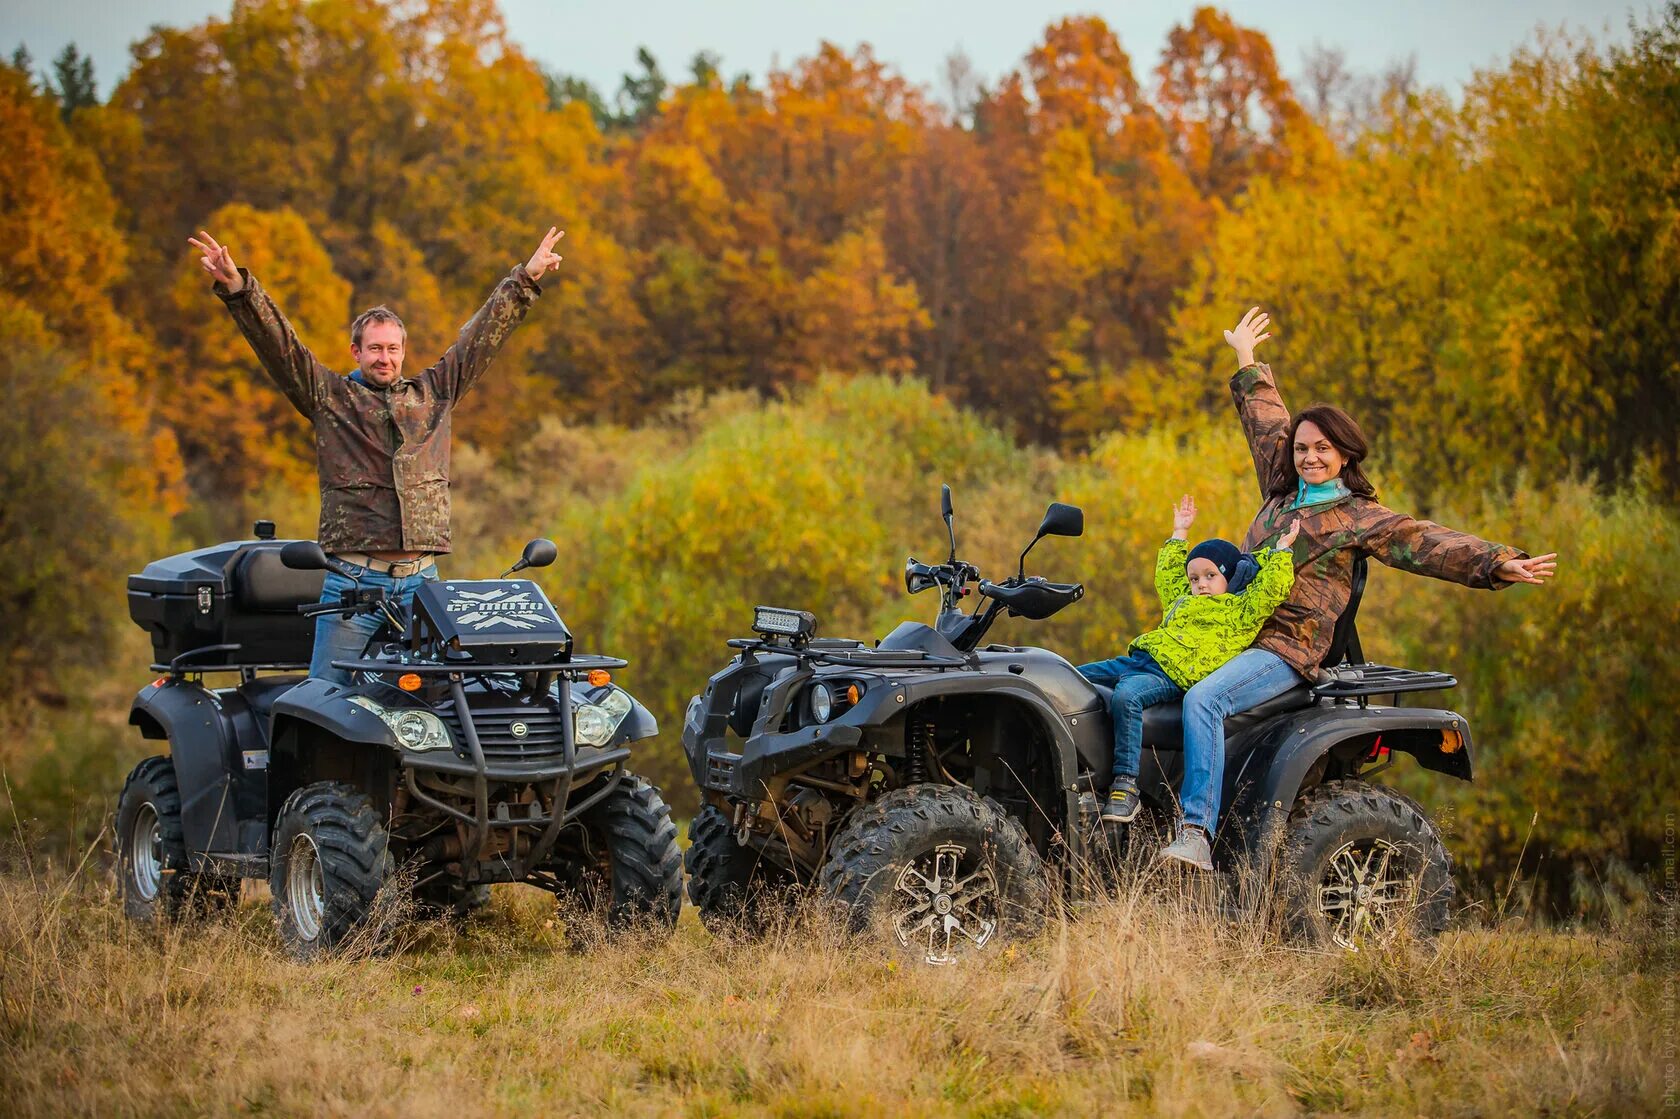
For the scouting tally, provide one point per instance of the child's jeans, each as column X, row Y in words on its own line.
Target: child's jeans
column 1138, row 682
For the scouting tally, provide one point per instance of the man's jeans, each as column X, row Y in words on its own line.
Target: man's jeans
column 1246, row 680
column 1138, row 682
column 338, row 638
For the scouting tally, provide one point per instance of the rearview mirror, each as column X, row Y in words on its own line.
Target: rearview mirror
column 303, row 555
column 1059, row 520
column 1062, row 520
column 539, row 553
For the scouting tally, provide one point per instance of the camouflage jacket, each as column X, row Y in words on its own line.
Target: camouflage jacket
column 382, row 454
column 1333, row 533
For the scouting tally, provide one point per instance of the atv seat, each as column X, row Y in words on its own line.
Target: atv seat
column 264, row 585
column 1163, row 724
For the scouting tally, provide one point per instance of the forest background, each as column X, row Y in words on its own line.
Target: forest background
column 795, row 303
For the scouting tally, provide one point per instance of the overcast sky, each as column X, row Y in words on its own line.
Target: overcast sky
column 1451, row 38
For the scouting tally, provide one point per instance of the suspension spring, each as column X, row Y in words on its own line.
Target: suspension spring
column 920, row 744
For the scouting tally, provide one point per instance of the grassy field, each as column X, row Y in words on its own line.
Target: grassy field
column 1145, row 1005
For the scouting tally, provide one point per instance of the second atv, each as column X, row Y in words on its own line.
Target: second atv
column 474, row 746
column 943, row 789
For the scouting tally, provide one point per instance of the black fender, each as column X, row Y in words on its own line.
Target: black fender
column 637, row 725
column 1281, row 753
column 205, row 752
column 1058, row 727
column 878, row 717
column 317, row 714
column 326, row 707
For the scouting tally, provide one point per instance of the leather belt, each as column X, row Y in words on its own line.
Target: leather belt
column 396, row 569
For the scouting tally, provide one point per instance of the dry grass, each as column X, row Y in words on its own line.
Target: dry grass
column 1144, row 1005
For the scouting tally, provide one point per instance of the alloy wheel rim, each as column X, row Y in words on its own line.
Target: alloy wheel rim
column 1365, row 892
column 305, row 887
column 145, row 852
column 937, row 908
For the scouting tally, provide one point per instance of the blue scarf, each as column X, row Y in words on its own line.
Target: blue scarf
column 1333, row 490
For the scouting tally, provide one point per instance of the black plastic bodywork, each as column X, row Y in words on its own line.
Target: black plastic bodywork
column 505, row 694
column 751, row 740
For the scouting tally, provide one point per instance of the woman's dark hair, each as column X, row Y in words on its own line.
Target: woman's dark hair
column 1344, row 435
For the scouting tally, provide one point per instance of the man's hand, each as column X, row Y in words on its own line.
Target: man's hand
column 1287, row 540
column 1250, row 332
column 1184, row 515
column 1536, row 570
column 217, row 261
column 545, row 258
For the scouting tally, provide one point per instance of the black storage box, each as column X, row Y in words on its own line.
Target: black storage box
column 236, row 593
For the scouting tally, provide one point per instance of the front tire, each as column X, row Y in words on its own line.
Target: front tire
column 735, row 888
column 945, row 869
column 1360, row 863
column 620, row 862
column 329, row 861
column 153, row 875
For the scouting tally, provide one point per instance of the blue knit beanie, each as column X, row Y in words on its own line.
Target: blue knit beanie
column 1221, row 553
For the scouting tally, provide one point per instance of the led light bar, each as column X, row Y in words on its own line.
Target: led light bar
column 774, row 621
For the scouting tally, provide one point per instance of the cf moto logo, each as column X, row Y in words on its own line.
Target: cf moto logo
column 519, row 730
column 480, row 610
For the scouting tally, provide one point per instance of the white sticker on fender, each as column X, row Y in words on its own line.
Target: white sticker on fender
column 256, row 759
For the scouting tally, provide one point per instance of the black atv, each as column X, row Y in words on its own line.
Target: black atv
column 938, row 784
column 473, row 747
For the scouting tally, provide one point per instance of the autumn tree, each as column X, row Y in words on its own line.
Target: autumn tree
column 1229, row 113
column 424, row 195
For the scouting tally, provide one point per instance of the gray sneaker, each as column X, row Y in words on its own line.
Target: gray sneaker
column 1123, row 803
column 1190, row 847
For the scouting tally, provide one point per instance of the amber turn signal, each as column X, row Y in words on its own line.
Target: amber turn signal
column 409, row 681
column 852, row 693
column 598, row 677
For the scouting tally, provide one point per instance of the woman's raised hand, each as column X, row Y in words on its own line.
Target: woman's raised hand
column 1287, row 540
column 1535, row 570
column 1254, row 329
column 217, row 261
column 1184, row 515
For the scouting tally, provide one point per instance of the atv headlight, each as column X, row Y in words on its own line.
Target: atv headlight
column 822, row 703
column 594, row 724
column 414, row 729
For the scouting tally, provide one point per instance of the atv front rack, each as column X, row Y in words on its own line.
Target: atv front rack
column 572, row 666
column 852, row 654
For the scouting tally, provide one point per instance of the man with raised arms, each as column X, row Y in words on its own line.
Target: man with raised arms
column 381, row 439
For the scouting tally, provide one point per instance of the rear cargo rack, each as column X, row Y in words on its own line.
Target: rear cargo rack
column 1360, row 681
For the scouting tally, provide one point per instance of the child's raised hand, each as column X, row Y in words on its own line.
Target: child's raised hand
column 1287, row 540
column 1184, row 515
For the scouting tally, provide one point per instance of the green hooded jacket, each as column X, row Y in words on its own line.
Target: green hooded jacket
column 1198, row 633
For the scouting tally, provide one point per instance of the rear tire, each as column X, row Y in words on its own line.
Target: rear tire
column 735, row 888
column 946, row 870
column 1359, row 864
column 625, row 867
column 153, row 875
column 329, row 861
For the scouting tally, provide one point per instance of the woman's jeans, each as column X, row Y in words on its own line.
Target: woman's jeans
column 1138, row 682
column 338, row 638
column 1246, row 680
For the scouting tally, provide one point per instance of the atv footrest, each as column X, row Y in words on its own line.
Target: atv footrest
column 1347, row 681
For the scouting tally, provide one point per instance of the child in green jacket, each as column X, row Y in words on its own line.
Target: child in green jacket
column 1211, row 611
